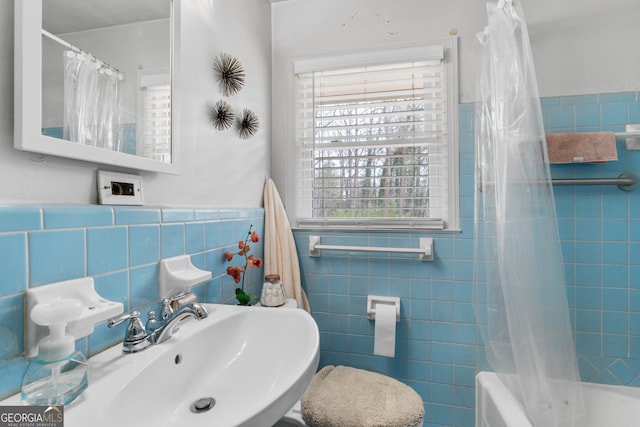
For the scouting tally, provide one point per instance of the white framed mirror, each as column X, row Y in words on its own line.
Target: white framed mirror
column 124, row 109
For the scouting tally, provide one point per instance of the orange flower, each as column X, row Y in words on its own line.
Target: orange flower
column 254, row 262
column 236, row 273
column 250, row 262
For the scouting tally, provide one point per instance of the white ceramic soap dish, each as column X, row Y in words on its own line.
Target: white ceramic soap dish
column 178, row 274
column 95, row 309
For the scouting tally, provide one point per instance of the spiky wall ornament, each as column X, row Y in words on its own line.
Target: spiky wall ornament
column 229, row 72
column 247, row 124
column 221, row 115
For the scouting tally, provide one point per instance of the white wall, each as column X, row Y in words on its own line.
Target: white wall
column 585, row 46
column 589, row 39
column 218, row 168
column 579, row 46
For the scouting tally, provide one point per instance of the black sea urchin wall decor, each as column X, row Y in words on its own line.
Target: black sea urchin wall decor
column 221, row 115
column 247, row 124
column 229, row 72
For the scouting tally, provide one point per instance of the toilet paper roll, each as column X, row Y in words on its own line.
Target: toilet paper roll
column 385, row 331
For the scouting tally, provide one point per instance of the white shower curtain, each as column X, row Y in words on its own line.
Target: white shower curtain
column 109, row 129
column 520, row 284
column 92, row 102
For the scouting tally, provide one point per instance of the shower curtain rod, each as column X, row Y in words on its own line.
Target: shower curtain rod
column 78, row 50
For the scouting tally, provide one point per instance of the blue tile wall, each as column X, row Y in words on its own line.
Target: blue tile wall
column 436, row 345
column 56, row 255
column 438, row 351
column 120, row 247
column 599, row 233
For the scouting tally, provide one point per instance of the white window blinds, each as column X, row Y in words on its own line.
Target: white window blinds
column 156, row 124
column 372, row 143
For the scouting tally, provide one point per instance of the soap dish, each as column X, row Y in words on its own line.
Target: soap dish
column 95, row 309
column 178, row 274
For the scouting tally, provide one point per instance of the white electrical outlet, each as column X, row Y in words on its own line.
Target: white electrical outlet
column 115, row 188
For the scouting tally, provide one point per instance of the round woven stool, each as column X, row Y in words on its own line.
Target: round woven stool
column 340, row 396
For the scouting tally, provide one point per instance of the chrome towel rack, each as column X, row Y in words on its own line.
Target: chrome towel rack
column 626, row 182
column 425, row 251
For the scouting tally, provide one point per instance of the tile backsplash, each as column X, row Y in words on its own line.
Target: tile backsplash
column 120, row 247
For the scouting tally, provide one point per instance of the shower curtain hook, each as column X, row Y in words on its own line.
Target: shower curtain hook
column 481, row 36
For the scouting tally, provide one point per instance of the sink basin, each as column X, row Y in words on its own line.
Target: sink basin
column 255, row 362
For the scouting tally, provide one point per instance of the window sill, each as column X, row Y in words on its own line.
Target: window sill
column 370, row 229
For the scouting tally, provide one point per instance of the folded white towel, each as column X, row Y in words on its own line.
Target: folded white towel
column 340, row 396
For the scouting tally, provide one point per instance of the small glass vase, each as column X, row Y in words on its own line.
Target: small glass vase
column 273, row 294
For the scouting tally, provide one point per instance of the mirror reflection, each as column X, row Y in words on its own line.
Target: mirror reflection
column 106, row 74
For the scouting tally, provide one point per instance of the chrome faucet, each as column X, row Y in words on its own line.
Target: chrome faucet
column 138, row 337
column 162, row 329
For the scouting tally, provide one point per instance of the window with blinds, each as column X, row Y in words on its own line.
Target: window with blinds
column 374, row 141
column 155, row 132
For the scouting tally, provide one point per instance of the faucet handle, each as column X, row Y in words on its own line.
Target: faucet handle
column 135, row 337
column 127, row 316
column 201, row 311
column 167, row 310
column 135, row 331
column 152, row 323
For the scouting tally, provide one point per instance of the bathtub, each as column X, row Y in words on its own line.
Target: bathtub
column 606, row 405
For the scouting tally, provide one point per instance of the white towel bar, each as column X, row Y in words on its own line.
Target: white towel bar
column 425, row 251
column 627, row 134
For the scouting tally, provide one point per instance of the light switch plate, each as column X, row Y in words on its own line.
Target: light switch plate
column 115, row 188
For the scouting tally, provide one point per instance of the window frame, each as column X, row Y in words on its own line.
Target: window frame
column 447, row 50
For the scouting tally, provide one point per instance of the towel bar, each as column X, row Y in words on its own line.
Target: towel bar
column 425, row 251
column 625, row 182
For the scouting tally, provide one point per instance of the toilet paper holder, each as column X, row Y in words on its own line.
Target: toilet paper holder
column 374, row 300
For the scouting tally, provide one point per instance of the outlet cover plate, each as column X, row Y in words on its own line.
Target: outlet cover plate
column 115, row 188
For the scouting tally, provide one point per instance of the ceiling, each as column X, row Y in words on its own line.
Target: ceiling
column 67, row 16
column 64, row 16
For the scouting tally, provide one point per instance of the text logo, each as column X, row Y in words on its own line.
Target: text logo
column 31, row 416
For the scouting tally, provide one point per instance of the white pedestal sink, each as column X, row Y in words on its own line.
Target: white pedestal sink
column 255, row 362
